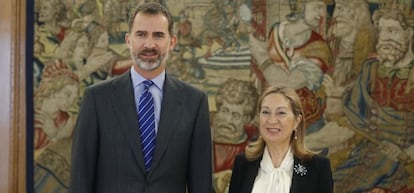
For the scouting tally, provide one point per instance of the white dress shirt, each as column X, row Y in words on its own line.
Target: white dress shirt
column 274, row 180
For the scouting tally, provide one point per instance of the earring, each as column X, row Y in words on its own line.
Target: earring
column 296, row 137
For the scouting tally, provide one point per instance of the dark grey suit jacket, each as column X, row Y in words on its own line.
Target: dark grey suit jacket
column 318, row 178
column 106, row 152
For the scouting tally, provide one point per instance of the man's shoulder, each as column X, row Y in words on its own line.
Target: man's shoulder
column 105, row 84
column 182, row 85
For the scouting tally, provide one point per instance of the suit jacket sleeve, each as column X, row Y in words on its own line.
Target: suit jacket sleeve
column 235, row 180
column 85, row 147
column 325, row 181
column 200, row 163
column 243, row 174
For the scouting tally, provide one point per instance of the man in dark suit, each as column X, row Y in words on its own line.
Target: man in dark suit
column 108, row 148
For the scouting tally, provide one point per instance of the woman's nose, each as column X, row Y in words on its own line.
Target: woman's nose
column 273, row 119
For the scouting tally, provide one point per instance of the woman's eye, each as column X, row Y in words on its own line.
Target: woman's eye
column 265, row 112
column 281, row 113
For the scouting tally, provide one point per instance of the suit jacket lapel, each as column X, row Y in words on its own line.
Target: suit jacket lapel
column 125, row 110
column 171, row 104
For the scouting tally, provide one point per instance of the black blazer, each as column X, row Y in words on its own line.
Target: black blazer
column 318, row 177
column 107, row 155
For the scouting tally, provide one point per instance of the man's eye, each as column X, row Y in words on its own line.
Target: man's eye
column 159, row 35
column 236, row 116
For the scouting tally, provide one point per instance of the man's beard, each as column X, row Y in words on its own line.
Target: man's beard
column 149, row 65
column 390, row 51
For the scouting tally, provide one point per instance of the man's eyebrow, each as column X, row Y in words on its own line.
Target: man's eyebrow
column 159, row 33
column 140, row 31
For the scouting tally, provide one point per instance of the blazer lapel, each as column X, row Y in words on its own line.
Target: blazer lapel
column 171, row 104
column 251, row 173
column 125, row 110
column 298, row 181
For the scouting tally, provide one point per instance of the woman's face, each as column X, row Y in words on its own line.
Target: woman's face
column 277, row 121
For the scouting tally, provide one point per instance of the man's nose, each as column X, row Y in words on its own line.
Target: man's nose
column 149, row 43
column 227, row 117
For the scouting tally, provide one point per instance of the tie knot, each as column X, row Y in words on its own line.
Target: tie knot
column 147, row 83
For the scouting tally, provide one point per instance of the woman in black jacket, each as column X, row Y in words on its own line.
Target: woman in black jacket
column 278, row 162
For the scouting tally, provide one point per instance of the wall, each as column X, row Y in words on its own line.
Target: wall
column 12, row 97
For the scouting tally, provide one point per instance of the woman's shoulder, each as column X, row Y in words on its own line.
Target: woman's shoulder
column 241, row 160
column 320, row 158
column 321, row 162
column 316, row 160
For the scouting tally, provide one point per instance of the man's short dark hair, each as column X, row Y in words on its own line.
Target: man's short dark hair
column 153, row 9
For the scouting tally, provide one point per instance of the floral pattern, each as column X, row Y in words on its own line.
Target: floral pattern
column 300, row 169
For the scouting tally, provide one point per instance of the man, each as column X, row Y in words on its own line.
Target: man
column 113, row 147
column 298, row 57
column 232, row 127
column 380, row 109
column 351, row 40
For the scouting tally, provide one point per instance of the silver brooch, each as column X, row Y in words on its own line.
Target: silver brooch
column 300, row 169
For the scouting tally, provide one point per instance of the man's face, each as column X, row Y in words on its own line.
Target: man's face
column 149, row 42
column 392, row 41
column 345, row 19
column 47, row 12
column 314, row 12
column 229, row 121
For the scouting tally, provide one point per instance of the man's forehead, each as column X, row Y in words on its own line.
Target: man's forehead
column 388, row 22
column 143, row 22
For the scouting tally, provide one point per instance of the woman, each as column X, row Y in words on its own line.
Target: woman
column 278, row 161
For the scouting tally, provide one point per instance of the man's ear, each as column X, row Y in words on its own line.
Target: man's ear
column 127, row 42
column 173, row 41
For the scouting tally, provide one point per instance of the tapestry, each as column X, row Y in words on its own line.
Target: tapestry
column 350, row 61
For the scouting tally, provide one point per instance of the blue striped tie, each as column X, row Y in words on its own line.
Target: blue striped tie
column 146, row 119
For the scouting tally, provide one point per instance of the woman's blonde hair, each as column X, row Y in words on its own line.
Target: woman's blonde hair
column 254, row 150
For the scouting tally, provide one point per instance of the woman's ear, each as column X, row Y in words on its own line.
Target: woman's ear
column 298, row 120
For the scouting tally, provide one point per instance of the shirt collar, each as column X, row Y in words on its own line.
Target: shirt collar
column 137, row 79
column 286, row 165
